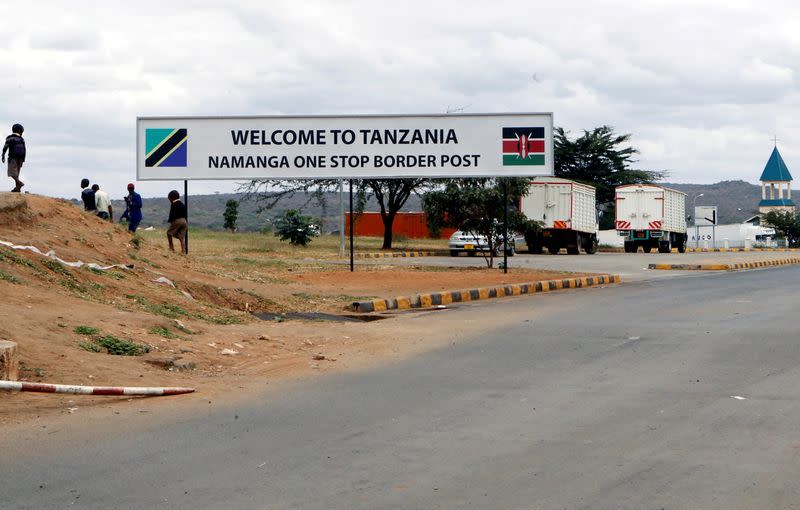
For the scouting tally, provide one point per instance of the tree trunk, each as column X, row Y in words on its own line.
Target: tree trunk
column 388, row 221
column 8, row 361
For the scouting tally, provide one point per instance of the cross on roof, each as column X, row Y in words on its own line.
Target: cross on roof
column 775, row 139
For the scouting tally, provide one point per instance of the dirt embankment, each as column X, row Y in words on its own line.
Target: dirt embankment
column 193, row 314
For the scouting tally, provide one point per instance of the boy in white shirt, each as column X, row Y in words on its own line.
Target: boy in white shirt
column 103, row 203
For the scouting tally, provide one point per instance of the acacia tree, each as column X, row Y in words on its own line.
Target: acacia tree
column 390, row 194
column 600, row 158
column 476, row 206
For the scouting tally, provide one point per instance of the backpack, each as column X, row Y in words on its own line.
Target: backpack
column 17, row 150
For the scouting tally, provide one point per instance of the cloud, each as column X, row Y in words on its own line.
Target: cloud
column 701, row 85
column 63, row 42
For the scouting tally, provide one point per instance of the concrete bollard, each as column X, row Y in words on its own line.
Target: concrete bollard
column 746, row 243
column 8, row 361
column 705, row 245
column 726, row 244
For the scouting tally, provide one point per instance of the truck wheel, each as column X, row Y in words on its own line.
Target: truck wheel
column 591, row 245
column 682, row 245
column 664, row 247
column 535, row 243
column 553, row 249
column 630, row 247
column 646, row 248
column 471, row 253
column 454, row 253
column 575, row 249
column 511, row 251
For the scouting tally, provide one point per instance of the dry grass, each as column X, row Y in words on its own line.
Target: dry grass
column 213, row 244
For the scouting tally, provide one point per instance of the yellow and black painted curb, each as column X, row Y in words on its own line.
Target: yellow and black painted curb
column 727, row 267
column 460, row 296
column 733, row 250
column 398, row 254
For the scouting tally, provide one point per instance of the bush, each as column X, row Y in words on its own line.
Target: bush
column 533, row 234
column 86, row 330
column 122, row 347
column 295, row 228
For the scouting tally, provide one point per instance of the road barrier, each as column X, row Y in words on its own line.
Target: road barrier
column 91, row 390
column 459, row 296
column 727, row 267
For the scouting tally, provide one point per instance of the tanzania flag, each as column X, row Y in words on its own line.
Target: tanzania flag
column 523, row 146
column 165, row 147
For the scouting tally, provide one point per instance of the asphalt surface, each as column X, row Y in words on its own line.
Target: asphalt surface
column 631, row 266
column 601, row 398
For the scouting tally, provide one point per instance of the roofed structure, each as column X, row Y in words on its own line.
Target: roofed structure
column 777, row 179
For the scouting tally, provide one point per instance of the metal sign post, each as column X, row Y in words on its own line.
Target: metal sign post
column 186, row 203
column 341, row 218
column 351, row 225
column 505, row 225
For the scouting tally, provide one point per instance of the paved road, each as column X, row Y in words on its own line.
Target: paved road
column 631, row 266
column 615, row 398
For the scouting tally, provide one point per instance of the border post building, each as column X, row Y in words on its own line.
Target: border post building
column 776, row 186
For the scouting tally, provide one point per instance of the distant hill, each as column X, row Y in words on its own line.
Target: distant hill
column 736, row 201
column 206, row 211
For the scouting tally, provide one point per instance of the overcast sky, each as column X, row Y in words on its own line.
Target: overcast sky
column 702, row 86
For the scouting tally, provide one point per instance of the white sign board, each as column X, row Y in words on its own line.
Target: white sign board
column 320, row 147
column 705, row 215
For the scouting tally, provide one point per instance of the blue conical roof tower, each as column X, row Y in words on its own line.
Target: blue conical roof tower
column 775, row 169
column 776, row 187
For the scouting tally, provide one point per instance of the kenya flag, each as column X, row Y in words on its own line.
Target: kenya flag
column 523, row 146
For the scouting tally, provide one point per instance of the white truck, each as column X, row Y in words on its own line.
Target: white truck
column 651, row 216
column 567, row 210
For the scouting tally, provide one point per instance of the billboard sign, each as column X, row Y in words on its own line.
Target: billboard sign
column 363, row 146
column 705, row 215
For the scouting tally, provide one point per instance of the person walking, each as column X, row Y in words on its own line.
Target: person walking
column 134, row 208
column 178, row 226
column 103, row 203
column 15, row 145
column 87, row 195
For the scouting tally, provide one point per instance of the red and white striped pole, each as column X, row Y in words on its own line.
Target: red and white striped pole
column 91, row 390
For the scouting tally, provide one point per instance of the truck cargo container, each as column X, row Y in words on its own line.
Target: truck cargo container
column 567, row 210
column 651, row 216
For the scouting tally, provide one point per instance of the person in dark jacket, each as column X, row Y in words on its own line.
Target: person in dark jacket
column 87, row 195
column 134, row 208
column 15, row 146
column 178, row 226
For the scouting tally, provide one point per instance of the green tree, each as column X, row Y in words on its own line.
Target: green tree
column 600, row 158
column 390, row 194
column 786, row 224
column 476, row 206
column 295, row 228
column 231, row 214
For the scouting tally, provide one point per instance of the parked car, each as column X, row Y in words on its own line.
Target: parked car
column 471, row 244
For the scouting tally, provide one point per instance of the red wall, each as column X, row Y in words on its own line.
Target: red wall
column 408, row 224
